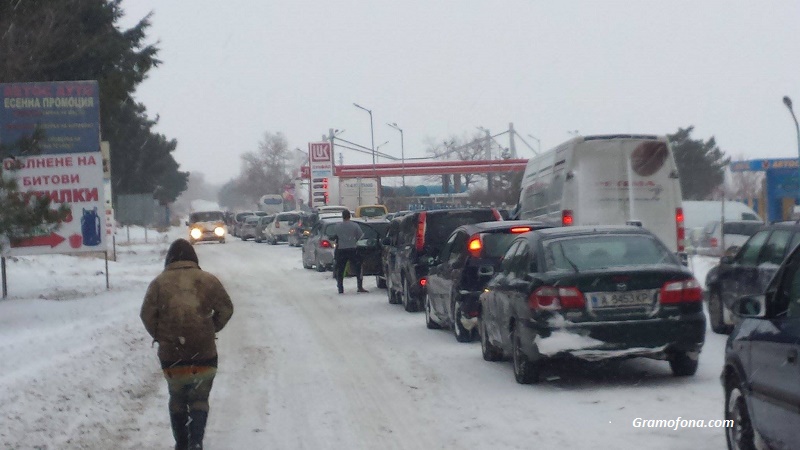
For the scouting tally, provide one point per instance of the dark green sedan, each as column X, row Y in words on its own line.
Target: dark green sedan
column 592, row 293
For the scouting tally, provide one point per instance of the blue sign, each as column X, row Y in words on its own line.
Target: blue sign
column 66, row 113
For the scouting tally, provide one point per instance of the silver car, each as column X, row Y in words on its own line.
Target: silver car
column 278, row 229
column 318, row 248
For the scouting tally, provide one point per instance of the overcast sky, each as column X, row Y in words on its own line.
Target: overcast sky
column 236, row 69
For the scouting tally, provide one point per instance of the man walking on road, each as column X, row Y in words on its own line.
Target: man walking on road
column 347, row 235
column 183, row 309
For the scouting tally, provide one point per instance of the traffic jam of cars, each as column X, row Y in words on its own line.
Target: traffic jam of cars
column 548, row 284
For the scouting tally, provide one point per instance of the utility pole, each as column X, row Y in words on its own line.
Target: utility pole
column 488, row 156
column 511, row 144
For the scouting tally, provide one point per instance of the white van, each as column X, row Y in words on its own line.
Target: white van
column 698, row 213
column 607, row 180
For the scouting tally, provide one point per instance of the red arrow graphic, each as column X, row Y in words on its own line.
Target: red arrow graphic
column 52, row 240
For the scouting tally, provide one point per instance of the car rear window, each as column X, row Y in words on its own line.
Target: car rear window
column 439, row 225
column 743, row 228
column 496, row 244
column 206, row 216
column 579, row 253
column 288, row 217
column 372, row 211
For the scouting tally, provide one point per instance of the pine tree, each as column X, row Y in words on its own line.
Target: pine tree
column 700, row 164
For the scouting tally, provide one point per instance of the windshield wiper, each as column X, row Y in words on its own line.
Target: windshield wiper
column 574, row 267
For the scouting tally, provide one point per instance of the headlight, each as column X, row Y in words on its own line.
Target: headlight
column 219, row 231
column 196, row 233
column 306, row 233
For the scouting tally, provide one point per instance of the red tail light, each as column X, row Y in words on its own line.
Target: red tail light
column 423, row 220
column 713, row 242
column 497, row 215
column 475, row 246
column 325, row 243
column 423, row 281
column 684, row 291
column 552, row 298
column 566, row 217
column 680, row 229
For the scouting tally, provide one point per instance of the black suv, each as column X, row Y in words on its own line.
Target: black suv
column 762, row 368
column 748, row 272
column 420, row 236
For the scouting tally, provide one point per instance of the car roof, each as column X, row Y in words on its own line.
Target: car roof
column 484, row 227
column 592, row 229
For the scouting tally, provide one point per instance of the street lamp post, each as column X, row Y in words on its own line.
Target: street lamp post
column 538, row 142
column 372, row 139
column 788, row 102
column 402, row 152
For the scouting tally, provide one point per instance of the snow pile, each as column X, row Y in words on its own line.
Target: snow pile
column 563, row 341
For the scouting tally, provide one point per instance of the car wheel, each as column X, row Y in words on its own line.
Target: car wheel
column 222, row 241
column 242, row 238
column 408, row 301
column 741, row 435
column 318, row 264
column 380, row 282
column 462, row 334
column 394, row 297
column 684, row 364
column 525, row 370
column 429, row 322
column 716, row 313
column 490, row 352
column 258, row 241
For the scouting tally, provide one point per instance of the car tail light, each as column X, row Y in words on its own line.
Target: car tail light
column 713, row 242
column 683, row 291
column 497, row 215
column 552, row 298
column 566, row 217
column 520, row 229
column 475, row 246
column 421, row 224
column 423, row 281
column 325, row 243
column 680, row 229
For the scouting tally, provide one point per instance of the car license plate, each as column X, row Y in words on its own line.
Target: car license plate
column 617, row 299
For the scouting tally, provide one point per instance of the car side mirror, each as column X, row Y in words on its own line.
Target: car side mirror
column 684, row 257
column 732, row 251
column 727, row 259
column 386, row 241
column 750, row 306
column 485, row 271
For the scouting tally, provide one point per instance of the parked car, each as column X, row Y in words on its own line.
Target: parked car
column 457, row 276
column 422, row 234
column 736, row 233
column 238, row 220
column 248, row 228
column 748, row 272
column 261, row 227
column 761, row 371
column 369, row 247
column 278, row 229
column 371, row 211
column 318, row 248
column 207, row 226
column 299, row 231
column 591, row 292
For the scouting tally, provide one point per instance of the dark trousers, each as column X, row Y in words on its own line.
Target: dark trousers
column 341, row 258
column 189, row 387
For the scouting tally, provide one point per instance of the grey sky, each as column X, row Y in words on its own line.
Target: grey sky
column 233, row 70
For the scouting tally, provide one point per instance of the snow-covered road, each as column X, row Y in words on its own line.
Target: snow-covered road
column 302, row 367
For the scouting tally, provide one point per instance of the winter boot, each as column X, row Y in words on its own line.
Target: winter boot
column 197, row 428
column 180, row 430
column 361, row 285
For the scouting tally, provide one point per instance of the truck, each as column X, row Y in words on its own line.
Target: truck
column 607, row 180
column 354, row 192
column 271, row 203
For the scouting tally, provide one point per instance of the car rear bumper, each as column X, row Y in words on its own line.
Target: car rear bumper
column 653, row 338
